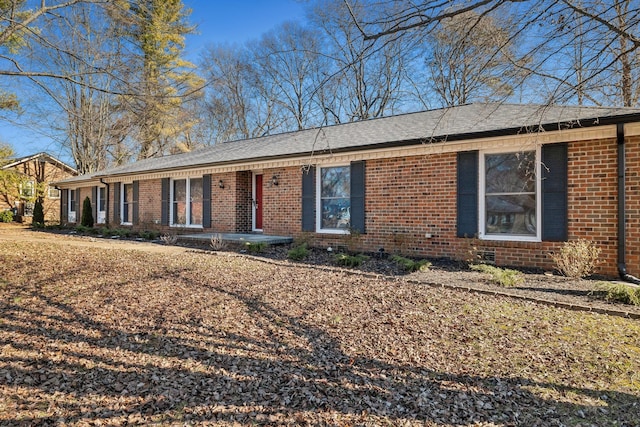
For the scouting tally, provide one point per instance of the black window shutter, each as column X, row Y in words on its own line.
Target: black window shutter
column 554, row 192
column 206, row 201
column 309, row 198
column 164, row 200
column 357, row 196
column 467, row 200
column 94, row 203
column 136, row 197
column 64, row 206
column 116, row 203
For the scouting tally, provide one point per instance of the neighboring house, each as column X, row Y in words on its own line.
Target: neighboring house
column 35, row 175
column 506, row 183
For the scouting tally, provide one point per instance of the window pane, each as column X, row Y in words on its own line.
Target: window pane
column 511, row 214
column 179, row 203
column 195, row 208
column 510, row 173
column 54, row 193
column 180, row 190
column 336, row 213
column 101, row 199
column 72, row 200
column 335, row 182
column 128, row 193
column 127, row 199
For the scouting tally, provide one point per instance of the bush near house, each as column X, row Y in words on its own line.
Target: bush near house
column 6, row 216
column 38, row 214
column 87, row 214
column 577, row 258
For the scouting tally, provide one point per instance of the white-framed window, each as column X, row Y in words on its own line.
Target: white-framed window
column 127, row 203
column 71, row 211
column 333, row 204
column 101, row 208
column 27, row 189
column 510, row 202
column 53, row 192
column 186, row 202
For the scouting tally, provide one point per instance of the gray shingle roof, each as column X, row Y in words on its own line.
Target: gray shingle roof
column 472, row 120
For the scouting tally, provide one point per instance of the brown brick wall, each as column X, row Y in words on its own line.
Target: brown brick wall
column 283, row 202
column 149, row 203
column 410, row 198
column 633, row 205
column 593, row 197
column 411, row 208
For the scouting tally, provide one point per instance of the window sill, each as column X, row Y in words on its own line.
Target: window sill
column 333, row 231
column 510, row 238
column 195, row 227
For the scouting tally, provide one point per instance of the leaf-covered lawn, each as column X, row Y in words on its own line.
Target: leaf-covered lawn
column 106, row 337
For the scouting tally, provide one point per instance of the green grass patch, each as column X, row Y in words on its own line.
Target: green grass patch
column 346, row 260
column 500, row 276
column 298, row 253
column 620, row 292
column 411, row 265
column 255, row 247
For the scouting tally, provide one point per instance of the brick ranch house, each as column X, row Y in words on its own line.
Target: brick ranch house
column 36, row 174
column 508, row 183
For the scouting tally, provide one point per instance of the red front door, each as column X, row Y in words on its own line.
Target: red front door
column 258, row 203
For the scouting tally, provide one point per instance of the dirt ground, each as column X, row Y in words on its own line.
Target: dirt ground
column 21, row 233
column 578, row 294
column 148, row 334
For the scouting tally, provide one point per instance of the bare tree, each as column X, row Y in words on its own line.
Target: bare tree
column 290, row 56
column 578, row 50
column 84, row 45
column 238, row 103
column 369, row 76
column 470, row 58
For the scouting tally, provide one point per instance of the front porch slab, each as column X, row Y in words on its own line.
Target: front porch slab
column 238, row 238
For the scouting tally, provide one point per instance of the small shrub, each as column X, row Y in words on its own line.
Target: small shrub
column 500, row 276
column 149, row 234
column 169, row 239
column 120, row 232
column 411, row 265
column 298, row 253
column 87, row 213
column 38, row 214
column 255, row 247
column 303, row 239
column 346, row 260
column 6, row 216
column 217, row 244
column 82, row 229
column 104, row 231
column 620, row 292
column 577, row 258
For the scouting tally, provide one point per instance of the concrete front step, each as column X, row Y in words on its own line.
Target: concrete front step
column 237, row 238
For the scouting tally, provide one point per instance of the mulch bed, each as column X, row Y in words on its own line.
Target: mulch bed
column 546, row 287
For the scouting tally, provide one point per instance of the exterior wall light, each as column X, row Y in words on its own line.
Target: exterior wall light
column 274, row 180
column 221, row 184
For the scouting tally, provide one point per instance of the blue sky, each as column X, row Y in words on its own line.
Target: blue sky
column 217, row 21
column 238, row 21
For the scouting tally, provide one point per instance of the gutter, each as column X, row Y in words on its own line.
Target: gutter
column 622, row 216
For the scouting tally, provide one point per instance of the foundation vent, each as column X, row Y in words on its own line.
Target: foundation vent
column 487, row 256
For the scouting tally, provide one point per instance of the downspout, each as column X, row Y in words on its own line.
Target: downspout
column 622, row 216
column 106, row 214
